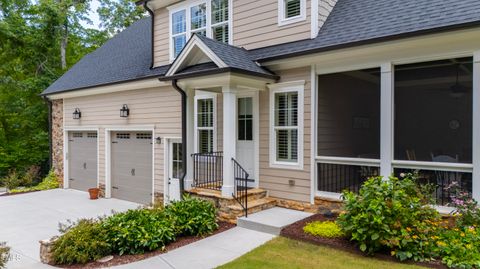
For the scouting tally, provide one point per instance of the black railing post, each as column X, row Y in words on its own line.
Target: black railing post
column 241, row 185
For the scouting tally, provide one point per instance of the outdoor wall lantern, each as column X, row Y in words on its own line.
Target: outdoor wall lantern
column 158, row 140
column 124, row 111
column 77, row 114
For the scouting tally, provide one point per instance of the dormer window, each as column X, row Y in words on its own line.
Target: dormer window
column 291, row 11
column 210, row 18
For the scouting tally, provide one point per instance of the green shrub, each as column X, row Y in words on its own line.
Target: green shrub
column 378, row 217
column 4, row 254
column 49, row 182
column 327, row 229
column 192, row 216
column 82, row 241
column 137, row 231
column 12, row 180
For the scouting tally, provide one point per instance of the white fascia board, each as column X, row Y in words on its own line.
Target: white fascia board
column 458, row 43
column 186, row 55
column 120, row 87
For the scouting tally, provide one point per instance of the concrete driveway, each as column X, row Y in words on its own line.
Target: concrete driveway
column 26, row 219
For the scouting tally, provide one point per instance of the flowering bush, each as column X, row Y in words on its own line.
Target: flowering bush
column 467, row 210
column 459, row 247
column 378, row 217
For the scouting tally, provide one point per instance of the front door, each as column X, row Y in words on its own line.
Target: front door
column 175, row 170
column 245, row 136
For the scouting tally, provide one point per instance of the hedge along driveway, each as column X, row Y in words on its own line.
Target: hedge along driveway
column 28, row 218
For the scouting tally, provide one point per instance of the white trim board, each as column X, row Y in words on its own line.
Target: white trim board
column 108, row 152
column 120, row 87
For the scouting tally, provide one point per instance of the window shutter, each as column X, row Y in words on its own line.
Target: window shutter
column 292, row 8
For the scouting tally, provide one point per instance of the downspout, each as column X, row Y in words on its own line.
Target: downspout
column 152, row 16
column 184, row 133
column 50, row 142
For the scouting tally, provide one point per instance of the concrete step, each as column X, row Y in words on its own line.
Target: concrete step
column 272, row 220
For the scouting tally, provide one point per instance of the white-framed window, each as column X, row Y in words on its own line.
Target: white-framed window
column 205, row 122
column 286, row 125
column 291, row 11
column 210, row 18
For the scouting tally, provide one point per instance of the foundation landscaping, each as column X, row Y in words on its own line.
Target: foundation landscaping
column 388, row 224
column 132, row 235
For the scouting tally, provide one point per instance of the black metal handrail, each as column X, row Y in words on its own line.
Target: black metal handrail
column 208, row 170
column 241, row 185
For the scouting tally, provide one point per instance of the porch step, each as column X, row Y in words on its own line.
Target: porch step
column 272, row 220
column 255, row 194
column 253, row 206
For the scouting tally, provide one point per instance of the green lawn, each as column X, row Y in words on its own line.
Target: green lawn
column 286, row 253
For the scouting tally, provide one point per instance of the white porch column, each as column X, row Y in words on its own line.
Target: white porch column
column 190, row 137
column 386, row 120
column 229, row 138
column 476, row 127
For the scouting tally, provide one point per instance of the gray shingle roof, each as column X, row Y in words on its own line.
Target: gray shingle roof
column 126, row 56
column 234, row 57
column 355, row 21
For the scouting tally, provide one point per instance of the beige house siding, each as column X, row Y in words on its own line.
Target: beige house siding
column 161, row 49
column 275, row 180
column 255, row 24
column 324, row 9
column 155, row 106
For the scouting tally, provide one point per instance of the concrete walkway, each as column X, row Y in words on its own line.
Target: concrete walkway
column 206, row 253
column 28, row 218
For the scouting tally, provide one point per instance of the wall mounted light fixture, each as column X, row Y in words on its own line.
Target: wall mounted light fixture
column 77, row 114
column 124, row 111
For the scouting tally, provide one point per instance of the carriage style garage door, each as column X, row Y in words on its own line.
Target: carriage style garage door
column 131, row 166
column 82, row 164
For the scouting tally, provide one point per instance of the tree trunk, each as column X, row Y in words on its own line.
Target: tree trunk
column 63, row 47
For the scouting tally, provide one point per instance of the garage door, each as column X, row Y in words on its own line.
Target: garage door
column 82, row 160
column 131, row 166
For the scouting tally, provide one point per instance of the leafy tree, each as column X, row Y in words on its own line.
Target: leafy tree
column 117, row 15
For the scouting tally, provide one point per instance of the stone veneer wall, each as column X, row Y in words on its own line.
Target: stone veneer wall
column 321, row 205
column 57, row 139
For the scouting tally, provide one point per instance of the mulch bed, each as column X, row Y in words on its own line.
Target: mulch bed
column 295, row 231
column 180, row 242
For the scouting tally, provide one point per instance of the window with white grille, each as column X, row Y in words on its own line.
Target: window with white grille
column 143, row 136
column 291, row 11
column 123, row 135
column 205, row 124
column 92, row 135
column 210, row 18
column 286, row 132
column 77, row 134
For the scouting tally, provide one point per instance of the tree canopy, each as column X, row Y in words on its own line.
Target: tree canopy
column 39, row 41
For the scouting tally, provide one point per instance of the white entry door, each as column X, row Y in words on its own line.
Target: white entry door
column 175, row 170
column 245, row 136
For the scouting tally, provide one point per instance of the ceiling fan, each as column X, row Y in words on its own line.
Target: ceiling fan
column 458, row 90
